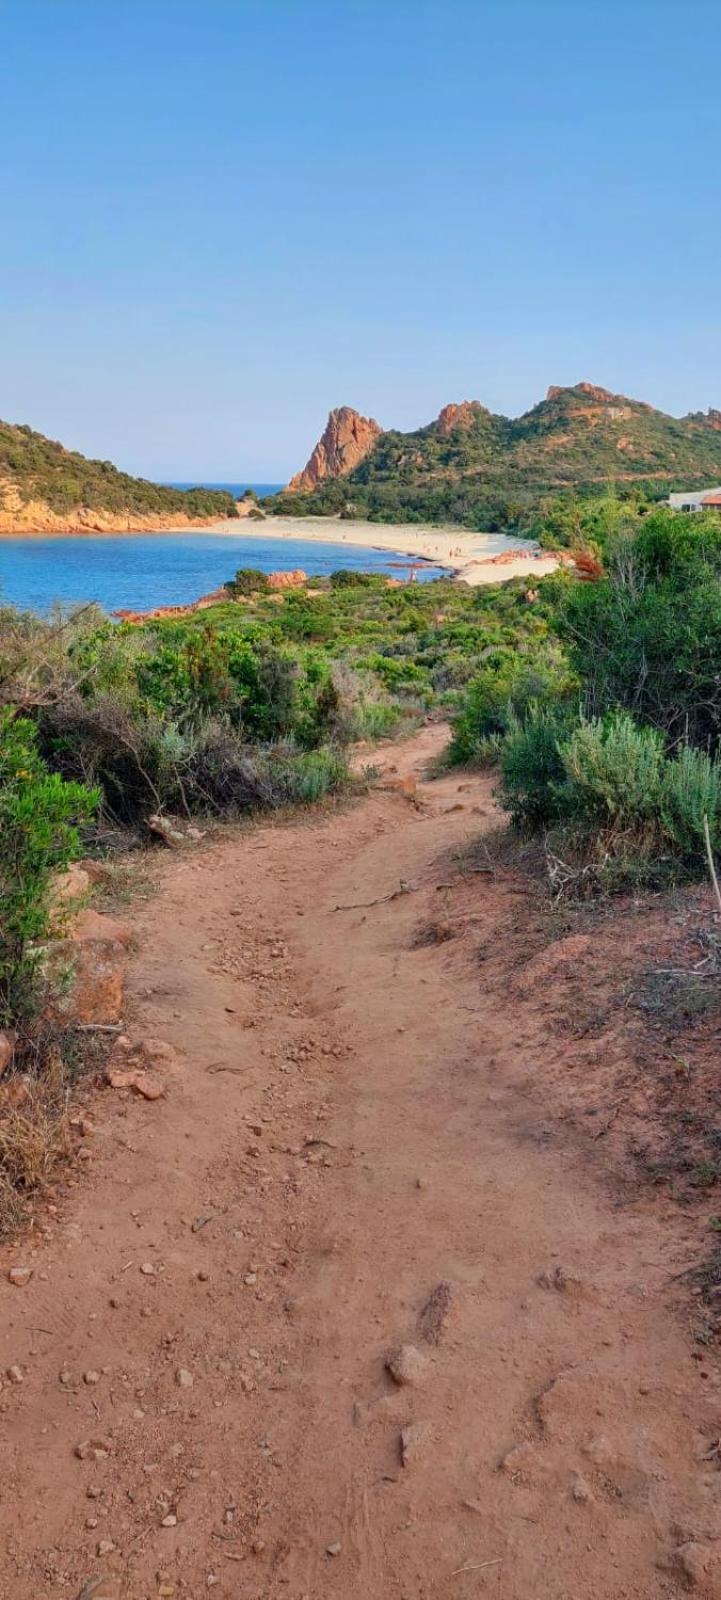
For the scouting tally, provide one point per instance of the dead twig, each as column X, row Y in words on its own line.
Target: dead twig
column 711, row 863
column 477, row 1566
column 381, row 899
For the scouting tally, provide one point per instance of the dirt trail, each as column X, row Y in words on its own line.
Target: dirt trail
column 353, row 1125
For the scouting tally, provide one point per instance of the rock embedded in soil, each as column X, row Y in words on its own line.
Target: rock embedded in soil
column 407, row 1366
column 412, row 1440
column 20, row 1276
column 184, row 1378
column 434, row 1315
column 93, row 1449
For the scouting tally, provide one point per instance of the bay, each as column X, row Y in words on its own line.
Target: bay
column 141, row 571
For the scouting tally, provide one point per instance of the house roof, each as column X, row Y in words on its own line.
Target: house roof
column 712, row 499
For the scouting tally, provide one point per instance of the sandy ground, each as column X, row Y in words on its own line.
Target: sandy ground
column 354, row 1154
column 467, row 555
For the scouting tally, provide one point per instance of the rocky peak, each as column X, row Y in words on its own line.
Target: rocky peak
column 603, row 397
column 459, row 416
column 347, row 440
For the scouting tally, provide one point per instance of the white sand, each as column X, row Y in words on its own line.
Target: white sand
column 465, row 554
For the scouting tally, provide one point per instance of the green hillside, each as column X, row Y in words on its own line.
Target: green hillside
column 475, row 467
column 33, row 468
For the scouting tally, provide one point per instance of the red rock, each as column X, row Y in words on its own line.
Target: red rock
column 347, row 440
column 85, row 979
column 67, row 892
column 295, row 579
column 459, row 416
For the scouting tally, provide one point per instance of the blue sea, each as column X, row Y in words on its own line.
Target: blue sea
column 142, row 570
column 236, row 489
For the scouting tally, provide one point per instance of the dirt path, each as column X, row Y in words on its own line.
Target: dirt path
column 350, row 1158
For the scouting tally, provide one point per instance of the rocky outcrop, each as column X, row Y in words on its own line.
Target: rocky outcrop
column 296, row 579
column 593, row 391
column 36, row 517
column 459, row 416
column 347, row 440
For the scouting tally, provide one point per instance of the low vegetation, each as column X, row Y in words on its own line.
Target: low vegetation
column 612, row 751
column 40, row 470
column 597, row 703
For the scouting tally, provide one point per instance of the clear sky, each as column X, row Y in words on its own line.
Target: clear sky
column 218, row 218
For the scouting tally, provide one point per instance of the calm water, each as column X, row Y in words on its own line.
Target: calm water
column 140, row 571
column 236, row 489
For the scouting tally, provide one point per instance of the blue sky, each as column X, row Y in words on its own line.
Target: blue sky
column 220, row 217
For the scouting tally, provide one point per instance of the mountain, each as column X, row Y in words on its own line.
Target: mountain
column 474, row 466
column 46, row 488
column 347, row 440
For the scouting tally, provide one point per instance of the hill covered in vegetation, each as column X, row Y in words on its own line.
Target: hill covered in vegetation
column 46, row 488
column 476, row 467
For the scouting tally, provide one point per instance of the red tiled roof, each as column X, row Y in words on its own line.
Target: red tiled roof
column 711, row 500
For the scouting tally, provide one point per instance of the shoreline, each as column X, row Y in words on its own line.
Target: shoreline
column 467, row 556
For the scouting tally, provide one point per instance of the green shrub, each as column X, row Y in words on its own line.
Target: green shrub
column 502, row 692
column 691, row 789
column 248, row 580
column 614, row 767
column 533, row 777
column 38, row 835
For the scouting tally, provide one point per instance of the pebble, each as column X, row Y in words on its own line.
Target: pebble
column 147, row 1269
column 91, row 1377
column 16, row 1375
column 184, row 1378
column 412, row 1439
column 170, row 1521
column 105, row 1547
column 20, row 1276
column 93, row 1449
column 407, row 1365
column 334, row 1549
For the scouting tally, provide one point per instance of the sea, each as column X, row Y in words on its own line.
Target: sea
column 139, row 571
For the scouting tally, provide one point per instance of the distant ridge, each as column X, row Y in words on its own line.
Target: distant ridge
column 45, row 488
column 470, row 459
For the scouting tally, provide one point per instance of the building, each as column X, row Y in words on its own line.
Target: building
column 696, row 500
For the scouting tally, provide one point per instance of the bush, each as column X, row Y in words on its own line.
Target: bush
column 248, row 580
column 648, row 636
column 691, row 789
column 533, row 777
column 38, row 816
column 613, row 769
column 502, row 693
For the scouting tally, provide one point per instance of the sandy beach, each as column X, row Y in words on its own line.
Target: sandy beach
column 467, row 555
